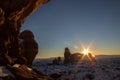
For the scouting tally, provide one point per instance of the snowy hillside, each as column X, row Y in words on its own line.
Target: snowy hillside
column 102, row 69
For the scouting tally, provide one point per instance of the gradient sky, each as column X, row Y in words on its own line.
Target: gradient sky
column 73, row 23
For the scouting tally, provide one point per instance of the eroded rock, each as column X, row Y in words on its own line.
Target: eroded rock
column 29, row 46
column 22, row 72
column 74, row 58
column 67, row 55
column 13, row 13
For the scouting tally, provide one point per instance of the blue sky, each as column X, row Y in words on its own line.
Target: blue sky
column 72, row 23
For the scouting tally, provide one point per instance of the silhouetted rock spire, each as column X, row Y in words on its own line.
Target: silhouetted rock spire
column 67, row 55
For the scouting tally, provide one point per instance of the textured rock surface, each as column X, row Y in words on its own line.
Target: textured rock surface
column 16, row 10
column 29, row 46
column 21, row 72
column 13, row 13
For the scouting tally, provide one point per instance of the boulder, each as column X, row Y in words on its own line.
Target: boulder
column 29, row 46
column 55, row 62
column 5, row 74
column 22, row 72
column 59, row 60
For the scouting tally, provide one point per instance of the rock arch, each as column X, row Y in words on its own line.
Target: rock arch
column 13, row 14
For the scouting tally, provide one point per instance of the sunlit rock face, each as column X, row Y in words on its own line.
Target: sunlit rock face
column 29, row 47
column 19, row 9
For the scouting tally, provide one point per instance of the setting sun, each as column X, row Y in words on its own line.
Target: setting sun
column 85, row 52
column 93, row 55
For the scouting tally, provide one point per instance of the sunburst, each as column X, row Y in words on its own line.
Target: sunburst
column 85, row 51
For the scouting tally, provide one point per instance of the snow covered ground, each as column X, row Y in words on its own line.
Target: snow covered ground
column 107, row 68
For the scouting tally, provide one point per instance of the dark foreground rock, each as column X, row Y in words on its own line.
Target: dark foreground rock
column 13, row 14
column 29, row 46
column 21, row 72
column 56, row 74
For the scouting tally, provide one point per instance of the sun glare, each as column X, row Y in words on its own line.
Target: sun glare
column 85, row 52
column 93, row 55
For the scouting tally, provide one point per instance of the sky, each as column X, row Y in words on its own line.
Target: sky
column 93, row 24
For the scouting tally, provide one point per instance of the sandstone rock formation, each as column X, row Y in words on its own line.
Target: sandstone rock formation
column 75, row 57
column 29, row 46
column 92, row 57
column 67, row 55
column 13, row 13
column 57, row 61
